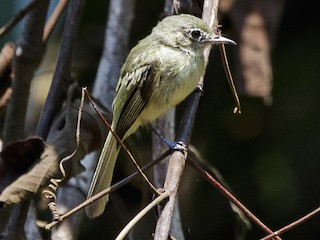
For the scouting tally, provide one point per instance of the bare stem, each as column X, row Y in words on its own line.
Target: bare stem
column 141, row 214
column 108, row 190
column 28, row 53
column 123, row 146
column 177, row 160
column 229, row 195
column 292, row 225
column 21, row 14
column 51, row 23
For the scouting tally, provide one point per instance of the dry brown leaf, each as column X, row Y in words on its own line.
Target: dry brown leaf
column 17, row 158
column 63, row 140
column 29, row 184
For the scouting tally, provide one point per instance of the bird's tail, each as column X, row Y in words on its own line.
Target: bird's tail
column 102, row 176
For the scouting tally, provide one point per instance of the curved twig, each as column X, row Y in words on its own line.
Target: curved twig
column 108, row 190
column 141, row 214
column 224, row 58
column 50, row 193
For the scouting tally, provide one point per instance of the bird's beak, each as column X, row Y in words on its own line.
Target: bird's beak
column 221, row 40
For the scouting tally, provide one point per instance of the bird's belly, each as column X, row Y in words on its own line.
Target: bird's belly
column 166, row 98
column 173, row 87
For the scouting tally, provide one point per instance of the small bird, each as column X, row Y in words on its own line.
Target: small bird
column 159, row 72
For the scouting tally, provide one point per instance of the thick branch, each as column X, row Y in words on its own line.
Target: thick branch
column 114, row 51
column 62, row 75
column 28, row 54
column 177, row 161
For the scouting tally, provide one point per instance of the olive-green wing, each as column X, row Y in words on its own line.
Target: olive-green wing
column 133, row 93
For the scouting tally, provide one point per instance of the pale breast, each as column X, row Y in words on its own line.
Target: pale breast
column 180, row 73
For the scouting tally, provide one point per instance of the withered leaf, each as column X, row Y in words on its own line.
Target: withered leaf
column 29, row 184
column 19, row 156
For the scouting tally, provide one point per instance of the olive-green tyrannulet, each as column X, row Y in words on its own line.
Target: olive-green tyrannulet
column 159, row 72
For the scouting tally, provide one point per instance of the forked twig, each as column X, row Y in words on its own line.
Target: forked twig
column 141, row 214
column 230, row 196
column 123, row 146
column 113, row 187
column 177, row 160
column 292, row 225
column 108, row 190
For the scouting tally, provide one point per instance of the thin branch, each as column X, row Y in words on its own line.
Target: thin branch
column 52, row 22
column 229, row 195
column 16, row 19
column 177, row 160
column 166, row 127
column 224, row 58
column 292, row 225
column 113, row 188
column 141, row 214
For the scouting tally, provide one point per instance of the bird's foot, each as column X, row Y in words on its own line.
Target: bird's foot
column 176, row 146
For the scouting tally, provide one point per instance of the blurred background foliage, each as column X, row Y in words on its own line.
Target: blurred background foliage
column 269, row 155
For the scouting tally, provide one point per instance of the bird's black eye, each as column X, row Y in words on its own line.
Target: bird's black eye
column 195, row 33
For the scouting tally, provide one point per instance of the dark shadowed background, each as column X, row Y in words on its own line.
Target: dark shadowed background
column 269, row 155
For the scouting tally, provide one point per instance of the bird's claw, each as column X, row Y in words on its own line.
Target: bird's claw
column 178, row 146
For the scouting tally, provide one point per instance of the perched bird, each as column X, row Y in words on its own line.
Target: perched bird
column 159, row 72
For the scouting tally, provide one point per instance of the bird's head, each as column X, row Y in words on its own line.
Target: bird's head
column 187, row 32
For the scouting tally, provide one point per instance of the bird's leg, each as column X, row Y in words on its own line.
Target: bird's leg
column 177, row 146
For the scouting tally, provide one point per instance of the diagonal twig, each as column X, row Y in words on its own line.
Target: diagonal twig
column 108, row 190
column 123, row 146
column 229, row 195
column 52, row 22
column 21, row 14
column 292, row 225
